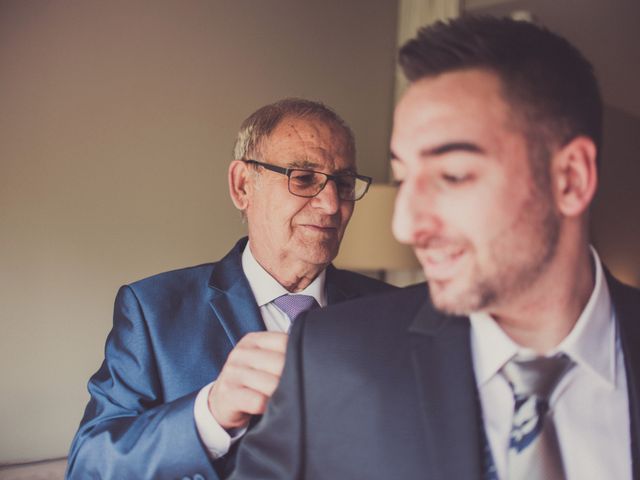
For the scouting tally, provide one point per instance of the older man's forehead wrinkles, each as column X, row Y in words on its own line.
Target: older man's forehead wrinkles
column 301, row 140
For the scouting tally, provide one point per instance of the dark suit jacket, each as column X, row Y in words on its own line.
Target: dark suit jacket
column 384, row 388
column 171, row 335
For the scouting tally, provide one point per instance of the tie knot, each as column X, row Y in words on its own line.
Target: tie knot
column 294, row 305
column 536, row 376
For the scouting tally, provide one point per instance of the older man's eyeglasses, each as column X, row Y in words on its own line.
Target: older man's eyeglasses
column 309, row 183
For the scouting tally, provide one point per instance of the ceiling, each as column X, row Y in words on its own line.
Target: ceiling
column 607, row 32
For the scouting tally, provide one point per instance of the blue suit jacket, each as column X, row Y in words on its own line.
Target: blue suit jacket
column 384, row 388
column 171, row 335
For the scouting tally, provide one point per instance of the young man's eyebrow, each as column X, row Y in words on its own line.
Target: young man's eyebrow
column 444, row 149
column 451, row 147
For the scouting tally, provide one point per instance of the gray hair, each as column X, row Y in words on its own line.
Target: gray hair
column 261, row 123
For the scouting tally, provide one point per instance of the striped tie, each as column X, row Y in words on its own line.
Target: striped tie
column 534, row 453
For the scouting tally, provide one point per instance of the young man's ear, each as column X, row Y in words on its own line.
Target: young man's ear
column 575, row 176
column 239, row 183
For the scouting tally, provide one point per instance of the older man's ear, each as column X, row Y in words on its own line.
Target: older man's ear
column 239, row 184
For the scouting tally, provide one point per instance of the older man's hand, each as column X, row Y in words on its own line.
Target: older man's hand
column 248, row 378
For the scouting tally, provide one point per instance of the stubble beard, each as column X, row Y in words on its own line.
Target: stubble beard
column 514, row 262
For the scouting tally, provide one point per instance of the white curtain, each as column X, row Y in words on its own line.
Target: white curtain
column 413, row 14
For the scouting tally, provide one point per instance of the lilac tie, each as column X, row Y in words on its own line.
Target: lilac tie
column 294, row 305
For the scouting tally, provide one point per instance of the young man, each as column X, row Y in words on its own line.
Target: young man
column 518, row 360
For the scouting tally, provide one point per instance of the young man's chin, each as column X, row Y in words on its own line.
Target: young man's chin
column 451, row 299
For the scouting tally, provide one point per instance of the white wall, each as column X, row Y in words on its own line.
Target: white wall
column 116, row 124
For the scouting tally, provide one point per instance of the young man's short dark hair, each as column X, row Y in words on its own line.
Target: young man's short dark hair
column 548, row 83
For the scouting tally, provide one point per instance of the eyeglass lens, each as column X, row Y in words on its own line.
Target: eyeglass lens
column 307, row 183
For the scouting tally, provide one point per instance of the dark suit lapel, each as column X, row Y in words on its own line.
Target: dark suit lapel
column 232, row 299
column 626, row 303
column 447, row 386
column 336, row 292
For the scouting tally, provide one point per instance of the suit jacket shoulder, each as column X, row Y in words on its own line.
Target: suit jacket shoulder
column 385, row 378
column 366, row 312
column 180, row 280
column 344, row 285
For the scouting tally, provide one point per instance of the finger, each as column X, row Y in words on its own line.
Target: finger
column 263, row 360
column 259, row 381
column 250, row 401
column 276, row 341
column 233, row 408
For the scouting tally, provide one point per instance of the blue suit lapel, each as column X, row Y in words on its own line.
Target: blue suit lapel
column 626, row 302
column 441, row 354
column 232, row 299
column 234, row 304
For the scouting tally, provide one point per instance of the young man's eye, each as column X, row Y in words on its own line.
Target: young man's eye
column 455, row 178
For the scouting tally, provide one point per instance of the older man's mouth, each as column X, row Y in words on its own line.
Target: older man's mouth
column 320, row 228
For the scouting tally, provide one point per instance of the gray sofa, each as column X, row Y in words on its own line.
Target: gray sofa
column 43, row 470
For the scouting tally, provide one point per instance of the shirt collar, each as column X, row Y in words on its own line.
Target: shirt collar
column 265, row 288
column 592, row 341
column 492, row 348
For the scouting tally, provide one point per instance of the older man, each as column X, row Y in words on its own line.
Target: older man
column 521, row 361
column 154, row 412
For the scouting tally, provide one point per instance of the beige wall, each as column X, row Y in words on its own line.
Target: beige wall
column 616, row 212
column 117, row 120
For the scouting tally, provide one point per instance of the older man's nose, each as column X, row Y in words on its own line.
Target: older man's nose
column 328, row 198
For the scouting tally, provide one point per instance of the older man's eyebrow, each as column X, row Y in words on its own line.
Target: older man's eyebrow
column 308, row 165
column 303, row 164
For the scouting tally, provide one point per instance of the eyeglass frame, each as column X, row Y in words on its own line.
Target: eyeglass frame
column 288, row 170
